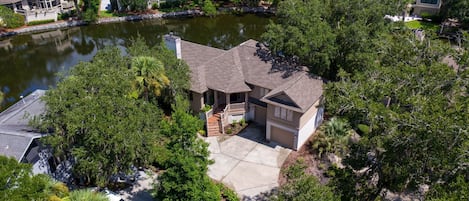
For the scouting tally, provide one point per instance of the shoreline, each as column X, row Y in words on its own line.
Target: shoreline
column 130, row 18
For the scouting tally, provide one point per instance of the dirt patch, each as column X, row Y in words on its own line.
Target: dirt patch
column 315, row 166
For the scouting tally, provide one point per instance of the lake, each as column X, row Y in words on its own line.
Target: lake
column 32, row 61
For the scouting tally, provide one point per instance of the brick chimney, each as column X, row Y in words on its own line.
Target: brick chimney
column 173, row 43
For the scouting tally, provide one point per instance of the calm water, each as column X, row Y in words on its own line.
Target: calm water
column 30, row 62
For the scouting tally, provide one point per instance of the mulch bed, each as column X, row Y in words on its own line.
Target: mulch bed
column 312, row 162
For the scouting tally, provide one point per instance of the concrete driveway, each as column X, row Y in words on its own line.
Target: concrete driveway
column 140, row 191
column 245, row 162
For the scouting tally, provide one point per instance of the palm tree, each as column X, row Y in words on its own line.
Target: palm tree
column 333, row 137
column 150, row 77
column 336, row 128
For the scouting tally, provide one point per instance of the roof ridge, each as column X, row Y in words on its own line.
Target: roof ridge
column 293, row 82
column 204, row 45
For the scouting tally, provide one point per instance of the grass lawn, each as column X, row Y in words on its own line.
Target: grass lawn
column 427, row 26
column 105, row 14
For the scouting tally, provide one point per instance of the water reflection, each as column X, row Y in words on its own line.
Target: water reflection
column 30, row 62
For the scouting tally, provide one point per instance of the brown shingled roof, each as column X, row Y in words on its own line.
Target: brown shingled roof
column 225, row 73
column 259, row 72
column 304, row 91
column 229, row 71
column 195, row 56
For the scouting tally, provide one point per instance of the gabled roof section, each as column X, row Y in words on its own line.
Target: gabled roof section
column 225, row 73
column 303, row 91
column 195, row 56
column 15, row 133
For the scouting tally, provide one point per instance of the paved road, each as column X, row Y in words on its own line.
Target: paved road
column 245, row 164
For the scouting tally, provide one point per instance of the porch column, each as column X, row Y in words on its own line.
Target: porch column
column 227, row 99
column 246, row 101
column 215, row 99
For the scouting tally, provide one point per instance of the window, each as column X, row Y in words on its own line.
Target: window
column 429, row 1
column 264, row 91
column 283, row 113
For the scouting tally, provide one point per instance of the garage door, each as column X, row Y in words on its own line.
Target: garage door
column 282, row 137
column 260, row 115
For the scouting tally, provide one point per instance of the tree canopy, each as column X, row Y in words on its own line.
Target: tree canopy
column 176, row 70
column 186, row 177
column 328, row 35
column 458, row 9
column 412, row 113
column 95, row 121
column 19, row 184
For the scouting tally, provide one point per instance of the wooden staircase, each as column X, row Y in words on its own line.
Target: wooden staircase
column 213, row 126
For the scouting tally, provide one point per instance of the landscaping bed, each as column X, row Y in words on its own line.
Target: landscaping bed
column 315, row 166
column 235, row 127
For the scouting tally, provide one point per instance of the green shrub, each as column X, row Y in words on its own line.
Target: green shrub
column 234, row 123
column 91, row 12
column 154, row 6
column 242, row 122
column 229, row 131
column 66, row 15
column 363, row 129
column 40, row 22
column 90, row 15
column 206, row 108
column 202, row 132
column 226, row 193
column 168, row 5
column 10, row 18
column 209, row 9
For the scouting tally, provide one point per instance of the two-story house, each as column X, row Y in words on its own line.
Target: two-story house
column 241, row 83
column 37, row 10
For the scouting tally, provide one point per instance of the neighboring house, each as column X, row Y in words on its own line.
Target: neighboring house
column 243, row 83
column 17, row 138
column 37, row 10
column 426, row 7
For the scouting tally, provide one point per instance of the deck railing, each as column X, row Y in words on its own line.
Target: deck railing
column 224, row 118
column 230, row 109
column 208, row 114
column 237, row 106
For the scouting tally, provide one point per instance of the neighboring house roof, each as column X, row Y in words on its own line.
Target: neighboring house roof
column 230, row 71
column 303, row 91
column 15, row 133
column 5, row 2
